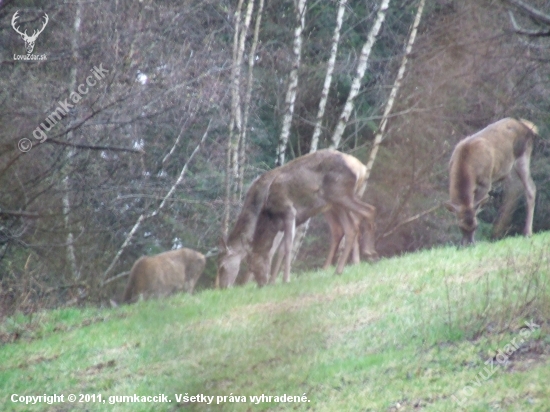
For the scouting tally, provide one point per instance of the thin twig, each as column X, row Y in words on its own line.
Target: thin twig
column 116, row 277
column 92, row 147
column 144, row 216
column 411, row 219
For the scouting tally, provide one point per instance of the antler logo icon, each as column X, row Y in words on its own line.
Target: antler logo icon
column 29, row 40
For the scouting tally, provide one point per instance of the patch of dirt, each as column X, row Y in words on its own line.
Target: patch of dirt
column 28, row 332
column 36, row 359
column 95, row 369
column 528, row 356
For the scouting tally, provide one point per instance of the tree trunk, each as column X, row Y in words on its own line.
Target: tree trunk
column 232, row 167
column 328, row 77
column 395, row 89
column 293, row 81
column 71, row 257
column 302, row 229
column 361, row 68
column 250, row 80
column 234, row 108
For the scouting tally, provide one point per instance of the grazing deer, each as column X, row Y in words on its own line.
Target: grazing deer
column 165, row 273
column 287, row 196
column 29, row 40
column 487, row 157
column 267, row 241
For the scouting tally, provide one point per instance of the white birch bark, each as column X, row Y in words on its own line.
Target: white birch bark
column 249, row 83
column 71, row 256
column 302, row 229
column 395, row 88
column 234, row 108
column 293, row 82
column 360, row 72
column 328, row 77
column 237, row 94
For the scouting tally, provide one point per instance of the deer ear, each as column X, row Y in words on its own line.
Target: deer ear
column 481, row 202
column 450, row 207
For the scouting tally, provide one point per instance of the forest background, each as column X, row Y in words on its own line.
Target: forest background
column 198, row 98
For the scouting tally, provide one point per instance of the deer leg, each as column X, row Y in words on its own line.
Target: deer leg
column 290, row 228
column 349, row 223
column 280, row 254
column 522, row 169
column 512, row 193
column 368, row 240
column 336, row 235
column 355, row 252
column 365, row 212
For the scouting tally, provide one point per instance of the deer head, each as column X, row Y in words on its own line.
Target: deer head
column 29, row 40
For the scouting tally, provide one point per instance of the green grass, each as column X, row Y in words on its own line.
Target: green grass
column 407, row 333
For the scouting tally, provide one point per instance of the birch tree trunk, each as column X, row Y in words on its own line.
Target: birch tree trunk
column 237, row 95
column 328, row 77
column 235, row 117
column 293, row 81
column 302, row 229
column 361, row 68
column 251, row 60
column 395, row 89
column 71, row 257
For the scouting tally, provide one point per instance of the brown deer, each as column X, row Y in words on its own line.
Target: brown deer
column 267, row 241
column 487, row 157
column 287, row 196
column 164, row 274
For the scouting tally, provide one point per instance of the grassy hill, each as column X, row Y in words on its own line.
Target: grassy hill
column 439, row 330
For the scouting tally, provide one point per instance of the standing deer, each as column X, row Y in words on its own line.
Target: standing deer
column 29, row 40
column 267, row 241
column 165, row 273
column 287, row 196
column 487, row 157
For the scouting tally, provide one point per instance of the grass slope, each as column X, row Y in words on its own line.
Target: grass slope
column 417, row 332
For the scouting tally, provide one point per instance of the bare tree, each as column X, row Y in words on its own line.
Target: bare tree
column 302, row 230
column 293, row 81
column 236, row 120
column 248, row 95
column 360, row 72
column 328, row 76
column 539, row 17
column 395, row 88
column 142, row 217
column 71, row 257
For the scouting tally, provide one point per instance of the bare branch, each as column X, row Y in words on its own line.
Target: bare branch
column 531, row 11
column 19, row 213
column 144, row 216
column 92, row 147
column 411, row 219
column 116, row 277
column 531, row 33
